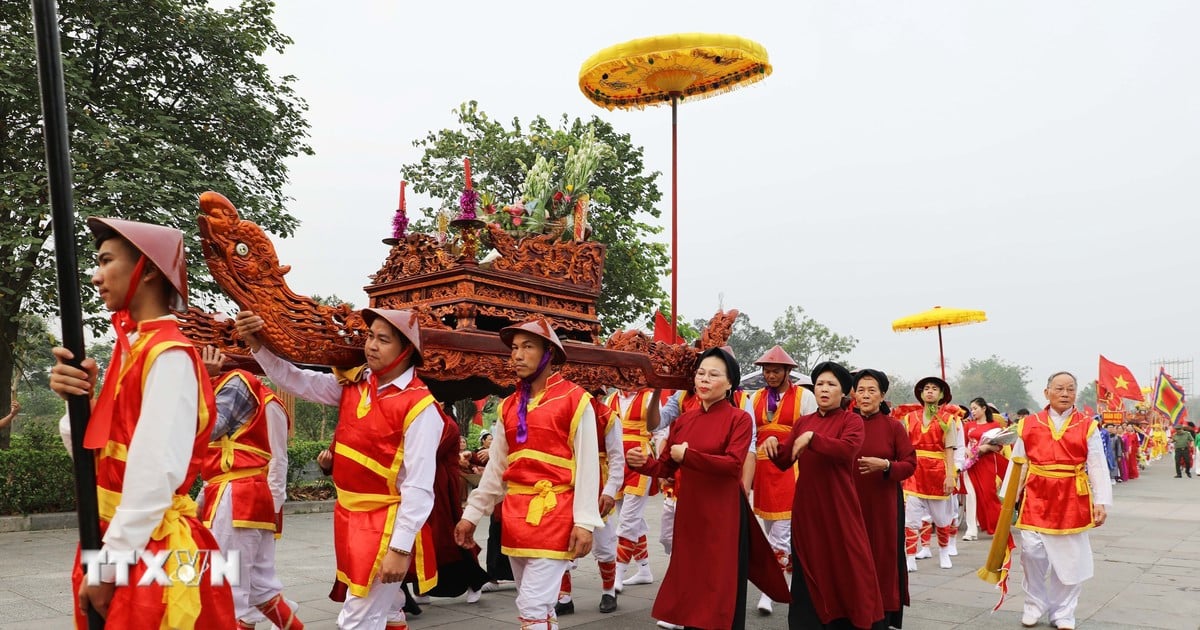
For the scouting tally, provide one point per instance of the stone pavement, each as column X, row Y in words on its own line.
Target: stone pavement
column 1147, row 576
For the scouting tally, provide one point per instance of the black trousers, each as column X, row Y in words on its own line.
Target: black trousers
column 1183, row 461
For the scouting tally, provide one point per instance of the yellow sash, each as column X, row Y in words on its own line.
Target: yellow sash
column 546, row 499
column 1063, row 471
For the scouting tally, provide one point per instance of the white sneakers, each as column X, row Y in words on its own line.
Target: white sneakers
column 952, row 545
column 669, row 626
column 643, row 576
column 765, row 606
column 923, row 553
column 912, row 563
column 944, row 557
column 473, row 595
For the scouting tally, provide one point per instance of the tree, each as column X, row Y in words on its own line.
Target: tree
column 167, row 99
column 1088, row 395
column 749, row 342
column 900, row 390
column 1003, row 384
column 499, row 155
column 808, row 341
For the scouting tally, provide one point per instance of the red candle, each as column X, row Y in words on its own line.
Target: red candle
column 467, row 168
column 402, row 185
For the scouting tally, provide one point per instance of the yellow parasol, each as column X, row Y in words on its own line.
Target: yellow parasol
column 938, row 317
column 668, row 69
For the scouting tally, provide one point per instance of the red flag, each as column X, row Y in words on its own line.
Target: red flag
column 1118, row 380
column 479, row 405
column 662, row 329
column 1107, row 400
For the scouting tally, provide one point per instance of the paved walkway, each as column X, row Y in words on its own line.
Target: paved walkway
column 1147, row 576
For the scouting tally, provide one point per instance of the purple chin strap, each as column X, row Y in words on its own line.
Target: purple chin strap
column 772, row 399
column 526, row 387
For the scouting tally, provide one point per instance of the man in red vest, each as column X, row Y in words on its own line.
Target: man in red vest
column 639, row 413
column 384, row 450
column 927, row 492
column 604, row 539
column 1066, row 493
column 545, row 467
column 245, row 486
column 149, row 429
column 775, row 408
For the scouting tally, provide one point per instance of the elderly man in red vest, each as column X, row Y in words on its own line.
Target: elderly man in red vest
column 384, row 450
column 545, row 466
column 1066, row 493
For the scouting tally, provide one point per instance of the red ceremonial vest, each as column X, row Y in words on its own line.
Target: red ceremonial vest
column 200, row 602
column 1058, row 498
column 238, row 463
column 606, row 420
column 930, row 444
column 368, row 453
column 538, row 512
column 635, row 434
column 774, row 489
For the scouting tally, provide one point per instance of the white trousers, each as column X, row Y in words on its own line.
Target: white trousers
column 1044, row 591
column 940, row 511
column 370, row 612
column 633, row 517
column 604, row 539
column 779, row 534
column 667, row 533
column 972, row 523
column 538, row 582
column 256, row 548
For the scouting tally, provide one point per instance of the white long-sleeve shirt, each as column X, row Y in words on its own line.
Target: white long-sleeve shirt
column 491, row 490
column 156, row 461
column 614, row 452
column 277, row 432
column 415, row 478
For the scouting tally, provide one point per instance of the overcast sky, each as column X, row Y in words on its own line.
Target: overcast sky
column 1037, row 160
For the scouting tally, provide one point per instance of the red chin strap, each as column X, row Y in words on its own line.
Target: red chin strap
column 404, row 354
column 100, row 423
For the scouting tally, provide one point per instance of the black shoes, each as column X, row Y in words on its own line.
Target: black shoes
column 564, row 608
column 608, row 603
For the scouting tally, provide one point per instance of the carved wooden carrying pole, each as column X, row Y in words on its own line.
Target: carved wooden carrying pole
column 462, row 306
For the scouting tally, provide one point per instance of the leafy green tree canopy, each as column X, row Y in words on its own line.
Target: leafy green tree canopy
column 1005, row 385
column 804, row 339
column 618, row 218
column 166, row 99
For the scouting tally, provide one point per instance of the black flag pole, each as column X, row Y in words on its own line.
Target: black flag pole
column 58, row 166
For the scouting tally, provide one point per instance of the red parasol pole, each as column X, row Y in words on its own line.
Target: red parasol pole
column 941, row 352
column 674, row 214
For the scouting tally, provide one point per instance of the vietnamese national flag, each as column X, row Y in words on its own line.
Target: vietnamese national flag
column 1117, row 378
column 662, row 329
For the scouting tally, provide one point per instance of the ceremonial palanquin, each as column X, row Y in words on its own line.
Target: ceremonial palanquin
column 462, row 305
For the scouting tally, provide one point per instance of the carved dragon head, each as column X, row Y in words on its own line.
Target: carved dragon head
column 240, row 256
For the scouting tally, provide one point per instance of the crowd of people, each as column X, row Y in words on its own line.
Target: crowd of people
column 824, row 496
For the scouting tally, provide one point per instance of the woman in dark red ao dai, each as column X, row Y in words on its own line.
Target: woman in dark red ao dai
column 834, row 584
column 718, row 544
column 886, row 458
